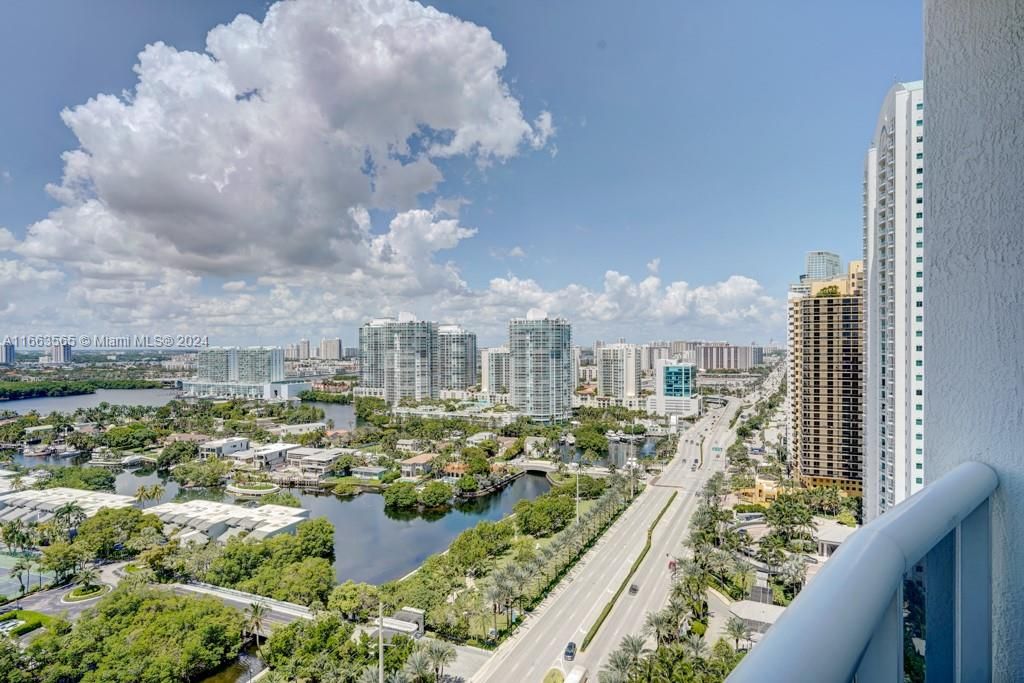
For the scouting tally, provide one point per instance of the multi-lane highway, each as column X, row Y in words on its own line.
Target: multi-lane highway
column 574, row 606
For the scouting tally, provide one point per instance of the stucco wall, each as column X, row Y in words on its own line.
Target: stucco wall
column 974, row 251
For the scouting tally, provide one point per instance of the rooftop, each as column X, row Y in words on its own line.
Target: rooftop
column 419, row 459
column 39, row 505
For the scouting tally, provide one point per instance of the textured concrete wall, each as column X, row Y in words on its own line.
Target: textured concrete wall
column 974, row 251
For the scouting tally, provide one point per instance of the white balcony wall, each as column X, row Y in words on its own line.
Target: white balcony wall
column 974, row 251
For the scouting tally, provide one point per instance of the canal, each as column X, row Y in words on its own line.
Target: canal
column 371, row 544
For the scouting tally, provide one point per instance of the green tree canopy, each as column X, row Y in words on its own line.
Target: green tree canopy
column 401, row 494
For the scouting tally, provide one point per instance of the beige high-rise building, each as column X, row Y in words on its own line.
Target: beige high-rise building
column 826, row 382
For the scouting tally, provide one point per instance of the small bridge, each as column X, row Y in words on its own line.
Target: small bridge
column 546, row 466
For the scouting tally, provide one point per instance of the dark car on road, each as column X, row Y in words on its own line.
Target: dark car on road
column 634, row 589
column 570, row 651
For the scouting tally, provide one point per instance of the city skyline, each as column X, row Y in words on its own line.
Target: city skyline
column 441, row 229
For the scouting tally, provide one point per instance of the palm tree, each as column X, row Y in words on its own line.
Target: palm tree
column 657, row 624
column 738, row 630
column 156, row 492
column 695, row 645
column 21, row 567
column 794, row 571
column 369, row 675
column 13, row 534
column 440, row 655
column 676, row 610
column 68, row 516
column 617, row 669
column 397, row 677
column 88, row 577
column 419, row 666
column 493, row 594
column 255, row 618
column 142, row 493
column 635, row 648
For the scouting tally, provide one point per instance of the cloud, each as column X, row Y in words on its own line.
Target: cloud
column 277, row 183
column 252, row 156
column 7, row 240
column 501, row 254
column 736, row 308
column 654, row 265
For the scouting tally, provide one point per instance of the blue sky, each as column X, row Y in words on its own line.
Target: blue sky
column 725, row 139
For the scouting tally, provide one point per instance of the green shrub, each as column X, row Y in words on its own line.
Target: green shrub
column 698, row 628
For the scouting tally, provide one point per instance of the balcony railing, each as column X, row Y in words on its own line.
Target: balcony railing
column 847, row 624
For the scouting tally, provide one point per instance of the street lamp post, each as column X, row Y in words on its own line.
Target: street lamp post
column 380, row 640
column 579, row 466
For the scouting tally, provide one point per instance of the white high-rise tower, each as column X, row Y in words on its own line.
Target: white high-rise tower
column 894, row 292
column 540, row 365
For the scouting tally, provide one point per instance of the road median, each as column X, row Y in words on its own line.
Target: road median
column 592, row 631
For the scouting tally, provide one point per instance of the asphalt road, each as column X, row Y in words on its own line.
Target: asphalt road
column 574, row 606
column 653, row 576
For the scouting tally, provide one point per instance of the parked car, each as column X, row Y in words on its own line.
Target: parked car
column 634, row 589
column 570, row 651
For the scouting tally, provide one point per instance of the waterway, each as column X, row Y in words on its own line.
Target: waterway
column 69, row 404
column 372, row 544
column 343, row 416
column 619, row 452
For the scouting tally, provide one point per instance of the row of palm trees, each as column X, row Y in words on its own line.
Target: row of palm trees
column 522, row 583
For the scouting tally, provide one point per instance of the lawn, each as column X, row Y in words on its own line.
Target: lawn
column 368, row 483
column 33, row 620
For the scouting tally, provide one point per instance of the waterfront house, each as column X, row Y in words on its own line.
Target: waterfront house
column 368, row 472
column 314, row 461
column 262, row 456
column 219, row 448
column 418, row 465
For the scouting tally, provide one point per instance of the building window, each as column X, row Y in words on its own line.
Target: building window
column 919, row 273
column 919, row 333
column 919, row 245
column 919, row 155
column 918, row 407
column 920, row 186
column 919, row 215
column 920, row 138
column 919, row 171
column 919, row 259
column 919, row 422
column 919, row 106
column 918, row 466
column 918, row 480
column 918, row 451
column 919, row 200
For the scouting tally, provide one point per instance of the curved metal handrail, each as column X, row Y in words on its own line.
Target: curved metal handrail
column 823, row 634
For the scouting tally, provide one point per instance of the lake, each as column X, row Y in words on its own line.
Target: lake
column 372, row 544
